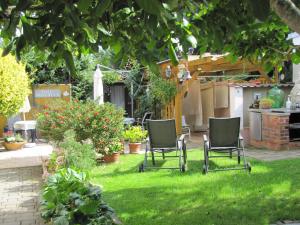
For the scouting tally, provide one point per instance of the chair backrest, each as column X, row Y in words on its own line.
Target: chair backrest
column 224, row 132
column 162, row 133
column 147, row 116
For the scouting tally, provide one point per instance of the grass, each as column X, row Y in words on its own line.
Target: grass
column 167, row 197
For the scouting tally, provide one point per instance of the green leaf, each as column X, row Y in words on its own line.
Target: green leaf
column 69, row 62
column 102, row 7
column 172, row 4
column 173, row 55
column 20, row 44
column 153, row 7
column 8, row 48
column 296, row 58
column 91, row 34
column 61, row 220
column 84, row 5
column 192, row 40
column 116, row 46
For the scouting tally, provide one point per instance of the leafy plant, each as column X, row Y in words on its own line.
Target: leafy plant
column 102, row 124
column 135, row 134
column 161, row 90
column 113, row 147
column 77, row 155
column 14, row 85
column 68, row 198
column 11, row 138
column 266, row 103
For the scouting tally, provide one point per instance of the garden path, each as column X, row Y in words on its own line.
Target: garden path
column 19, row 196
column 20, row 182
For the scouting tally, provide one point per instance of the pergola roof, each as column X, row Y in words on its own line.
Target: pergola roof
column 213, row 63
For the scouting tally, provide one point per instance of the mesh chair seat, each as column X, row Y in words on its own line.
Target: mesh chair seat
column 224, row 137
column 163, row 139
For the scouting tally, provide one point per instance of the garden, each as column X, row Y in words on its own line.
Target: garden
column 172, row 60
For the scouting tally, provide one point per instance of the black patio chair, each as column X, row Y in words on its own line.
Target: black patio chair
column 225, row 138
column 163, row 139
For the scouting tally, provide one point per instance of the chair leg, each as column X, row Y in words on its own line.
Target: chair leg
column 239, row 157
column 163, row 154
column 230, row 154
column 205, row 166
column 153, row 160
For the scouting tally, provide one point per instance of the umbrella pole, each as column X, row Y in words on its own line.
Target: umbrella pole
column 23, row 116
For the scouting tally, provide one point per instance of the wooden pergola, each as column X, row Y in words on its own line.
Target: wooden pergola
column 206, row 65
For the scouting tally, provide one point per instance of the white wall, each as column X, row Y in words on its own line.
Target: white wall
column 296, row 72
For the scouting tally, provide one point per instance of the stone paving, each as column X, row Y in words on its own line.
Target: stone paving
column 19, row 200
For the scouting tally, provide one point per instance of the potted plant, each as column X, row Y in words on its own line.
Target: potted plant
column 13, row 142
column 112, row 152
column 135, row 135
column 266, row 103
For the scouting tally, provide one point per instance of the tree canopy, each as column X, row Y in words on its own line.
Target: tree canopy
column 149, row 30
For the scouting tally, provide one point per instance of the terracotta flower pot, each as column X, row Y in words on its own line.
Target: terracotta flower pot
column 134, row 148
column 13, row 145
column 111, row 158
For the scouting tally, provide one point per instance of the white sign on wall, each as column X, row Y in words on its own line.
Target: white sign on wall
column 47, row 93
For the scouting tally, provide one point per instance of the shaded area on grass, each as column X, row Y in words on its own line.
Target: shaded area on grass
column 270, row 193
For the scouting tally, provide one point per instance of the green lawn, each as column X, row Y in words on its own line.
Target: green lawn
column 167, row 197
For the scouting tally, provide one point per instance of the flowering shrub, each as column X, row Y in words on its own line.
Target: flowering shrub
column 102, row 124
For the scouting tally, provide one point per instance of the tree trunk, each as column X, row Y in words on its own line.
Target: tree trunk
column 288, row 12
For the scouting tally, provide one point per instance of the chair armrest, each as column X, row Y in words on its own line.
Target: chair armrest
column 181, row 138
column 241, row 141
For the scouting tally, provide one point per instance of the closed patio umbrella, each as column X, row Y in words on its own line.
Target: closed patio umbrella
column 25, row 108
column 98, row 86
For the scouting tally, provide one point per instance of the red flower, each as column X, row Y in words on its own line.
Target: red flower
column 96, row 113
column 107, row 120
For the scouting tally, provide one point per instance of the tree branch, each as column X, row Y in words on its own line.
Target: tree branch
column 288, row 12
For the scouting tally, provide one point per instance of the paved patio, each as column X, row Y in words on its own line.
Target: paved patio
column 24, row 157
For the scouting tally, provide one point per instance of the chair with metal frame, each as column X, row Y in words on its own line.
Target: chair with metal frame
column 163, row 139
column 224, row 137
column 143, row 121
column 185, row 127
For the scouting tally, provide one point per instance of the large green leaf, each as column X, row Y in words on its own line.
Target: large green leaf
column 84, row 5
column 192, row 40
column 20, row 44
column 69, row 62
column 153, row 7
column 173, row 55
column 101, row 7
column 8, row 48
column 91, row 34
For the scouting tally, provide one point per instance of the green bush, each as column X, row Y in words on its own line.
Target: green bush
column 78, row 155
column 68, row 198
column 102, row 124
column 14, row 85
column 135, row 134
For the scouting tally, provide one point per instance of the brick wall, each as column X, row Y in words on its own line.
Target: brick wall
column 275, row 132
